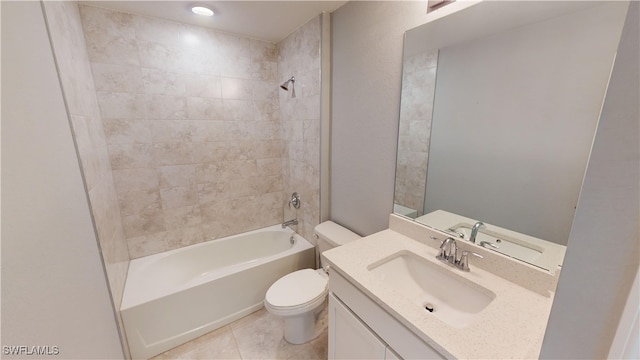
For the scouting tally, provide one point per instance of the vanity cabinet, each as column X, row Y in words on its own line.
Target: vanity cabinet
column 361, row 329
column 350, row 338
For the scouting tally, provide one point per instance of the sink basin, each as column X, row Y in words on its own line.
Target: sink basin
column 437, row 290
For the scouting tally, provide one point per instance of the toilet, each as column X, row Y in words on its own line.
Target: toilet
column 300, row 296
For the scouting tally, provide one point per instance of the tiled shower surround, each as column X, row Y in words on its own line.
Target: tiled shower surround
column 299, row 56
column 193, row 126
column 418, row 91
column 179, row 129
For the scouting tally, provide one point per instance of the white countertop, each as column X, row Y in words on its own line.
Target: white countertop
column 511, row 326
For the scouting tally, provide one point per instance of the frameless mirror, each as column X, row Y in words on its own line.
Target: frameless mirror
column 500, row 103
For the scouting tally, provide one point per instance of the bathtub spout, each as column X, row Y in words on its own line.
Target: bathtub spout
column 289, row 223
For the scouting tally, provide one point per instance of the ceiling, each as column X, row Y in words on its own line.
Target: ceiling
column 265, row 20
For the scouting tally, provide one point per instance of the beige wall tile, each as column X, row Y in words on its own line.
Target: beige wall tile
column 158, row 30
column 100, row 21
column 130, row 156
column 134, row 202
column 117, row 78
column 418, row 84
column 238, row 110
column 163, row 82
column 236, row 67
column 165, row 107
column 148, row 221
column 121, row 105
column 112, row 50
column 126, row 180
column 206, row 86
column 196, row 140
column 298, row 55
column 205, row 108
column 237, row 89
column 172, row 153
column 181, row 217
column 177, row 175
column 127, row 131
column 234, row 46
column 179, row 196
column 264, row 70
column 263, row 51
column 144, row 245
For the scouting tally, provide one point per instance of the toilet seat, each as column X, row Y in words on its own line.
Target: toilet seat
column 297, row 292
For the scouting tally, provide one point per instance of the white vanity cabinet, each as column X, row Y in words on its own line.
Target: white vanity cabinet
column 349, row 337
column 360, row 329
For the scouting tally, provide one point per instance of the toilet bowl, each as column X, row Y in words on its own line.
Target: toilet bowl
column 300, row 296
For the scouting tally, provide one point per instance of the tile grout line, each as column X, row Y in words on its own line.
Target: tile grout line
column 235, row 341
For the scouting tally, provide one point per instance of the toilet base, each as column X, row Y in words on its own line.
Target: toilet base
column 302, row 328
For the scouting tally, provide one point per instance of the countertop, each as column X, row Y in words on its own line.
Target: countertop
column 511, row 326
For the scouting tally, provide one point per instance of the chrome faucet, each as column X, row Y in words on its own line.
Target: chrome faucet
column 449, row 255
column 486, row 243
column 457, row 233
column 448, row 251
column 289, row 223
column 463, row 263
column 474, row 231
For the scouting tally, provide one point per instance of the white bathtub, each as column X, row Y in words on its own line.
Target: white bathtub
column 176, row 296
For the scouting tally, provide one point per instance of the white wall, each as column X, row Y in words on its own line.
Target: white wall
column 54, row 289
column 366, row 78
column 602, row 256
column 514, row 118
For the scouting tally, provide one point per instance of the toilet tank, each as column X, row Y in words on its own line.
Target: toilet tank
column 331, row 235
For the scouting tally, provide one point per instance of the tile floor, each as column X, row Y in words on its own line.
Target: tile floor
column 256, row 336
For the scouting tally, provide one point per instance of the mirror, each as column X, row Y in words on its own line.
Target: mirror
column 500, row 103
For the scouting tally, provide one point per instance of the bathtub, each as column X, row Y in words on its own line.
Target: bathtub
column 176, row 296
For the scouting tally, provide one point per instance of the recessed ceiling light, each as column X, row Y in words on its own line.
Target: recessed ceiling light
column 201, row 10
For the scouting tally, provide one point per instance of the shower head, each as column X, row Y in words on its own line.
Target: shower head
column 285, row 85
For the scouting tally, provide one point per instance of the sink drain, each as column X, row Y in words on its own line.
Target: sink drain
column 429, row 307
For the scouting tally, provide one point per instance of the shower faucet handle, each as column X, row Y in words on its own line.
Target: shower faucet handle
column 295, row 200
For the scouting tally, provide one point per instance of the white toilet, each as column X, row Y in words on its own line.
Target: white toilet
column 298, row 297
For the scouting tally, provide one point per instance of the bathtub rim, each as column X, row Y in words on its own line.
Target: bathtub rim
column 138, row 265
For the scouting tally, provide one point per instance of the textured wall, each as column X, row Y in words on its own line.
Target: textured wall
column 78, row 87
column 416, row 110
column 367, row 38
column 299, row 55
column 192, row 125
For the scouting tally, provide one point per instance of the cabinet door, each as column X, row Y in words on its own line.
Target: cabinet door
column 349, row 338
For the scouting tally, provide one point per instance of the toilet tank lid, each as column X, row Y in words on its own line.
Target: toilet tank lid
column 335, row 234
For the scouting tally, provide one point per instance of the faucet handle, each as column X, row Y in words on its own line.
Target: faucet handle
column 452, row 257
column 463, row 263
column 485, row 243
column 445, row 249
column 457, row 233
